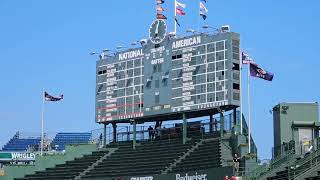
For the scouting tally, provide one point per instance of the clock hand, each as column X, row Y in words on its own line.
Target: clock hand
column 157, row 28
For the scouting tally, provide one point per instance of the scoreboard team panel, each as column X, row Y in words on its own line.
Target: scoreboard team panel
column 179, row 75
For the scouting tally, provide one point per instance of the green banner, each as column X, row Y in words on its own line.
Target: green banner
column 16, row 156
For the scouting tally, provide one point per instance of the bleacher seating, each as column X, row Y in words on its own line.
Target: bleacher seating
column 148, row 159
column 62, row 139
column 68, row 170
column 281, row 175
column 21, row 144
column 317, row 177
column 206, row 156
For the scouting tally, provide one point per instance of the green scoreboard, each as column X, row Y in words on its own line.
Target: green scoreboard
column 168, row 76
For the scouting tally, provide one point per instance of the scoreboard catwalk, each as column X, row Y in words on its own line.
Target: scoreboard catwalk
column 195, row 75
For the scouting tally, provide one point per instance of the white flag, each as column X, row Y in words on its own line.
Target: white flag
column 180, row 4
column 203, row 7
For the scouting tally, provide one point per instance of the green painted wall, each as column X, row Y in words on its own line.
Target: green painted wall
column 285, row 113
column 208, row 174
column 47, row 161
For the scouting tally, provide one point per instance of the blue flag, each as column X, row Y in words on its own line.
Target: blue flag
column 256, row 71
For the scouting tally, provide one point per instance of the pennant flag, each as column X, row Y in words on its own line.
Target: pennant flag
column 177, row 21
column 160, row 9
column 48, row 97
column 179, row 11
column 203, row 7
column 203, row 15
column 161, row 16
column 256, row 71
column 180, row 5
column 160, row 2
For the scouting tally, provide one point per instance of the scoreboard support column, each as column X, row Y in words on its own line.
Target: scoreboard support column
column 134, row 134
column 104, row 135
column 211, row 124
column 221, row 124
column 234, row 117
column 184, row 128
column 114, row 125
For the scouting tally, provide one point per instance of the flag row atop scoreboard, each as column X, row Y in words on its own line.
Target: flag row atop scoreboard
column 198, row 72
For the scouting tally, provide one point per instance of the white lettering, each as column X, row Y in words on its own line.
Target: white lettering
column 192, row 177
column 157, row 61
column 186, row 42
column 130, row 54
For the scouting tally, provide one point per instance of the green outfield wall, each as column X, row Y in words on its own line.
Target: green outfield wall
column 208, row 174
column 47, row 161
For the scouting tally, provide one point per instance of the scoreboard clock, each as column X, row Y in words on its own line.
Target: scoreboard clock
column 157, row 31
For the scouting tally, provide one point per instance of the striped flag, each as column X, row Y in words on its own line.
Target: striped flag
column 203, row 7
column 178, row 4
column 180, row 11
column 161, row 16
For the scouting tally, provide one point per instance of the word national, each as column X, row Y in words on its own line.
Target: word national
column 130, row 54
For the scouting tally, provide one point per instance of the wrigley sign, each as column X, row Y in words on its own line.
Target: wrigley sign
column 16, row 156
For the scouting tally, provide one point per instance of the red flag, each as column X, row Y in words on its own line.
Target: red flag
column 179, row 11
column 161, row 16
column 160, row 9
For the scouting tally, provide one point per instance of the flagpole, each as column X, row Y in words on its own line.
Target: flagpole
column 241, row 126
column 199, row 16
column 249, row 112
column 175, row 16
column 42, row 122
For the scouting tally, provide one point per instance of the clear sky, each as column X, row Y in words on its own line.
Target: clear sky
column 46, row 44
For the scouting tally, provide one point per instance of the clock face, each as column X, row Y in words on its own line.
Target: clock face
column 157, row 31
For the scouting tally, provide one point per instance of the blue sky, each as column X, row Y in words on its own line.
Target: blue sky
column 46, row 44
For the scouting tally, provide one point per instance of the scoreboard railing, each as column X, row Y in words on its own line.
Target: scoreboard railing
column 172, row 130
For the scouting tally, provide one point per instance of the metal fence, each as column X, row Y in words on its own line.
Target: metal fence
column 125, row 133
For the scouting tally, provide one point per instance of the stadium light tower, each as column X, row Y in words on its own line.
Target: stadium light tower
column 211, row 27
column 102, row 54
column 191, row 31
column 134, row 43
column 120, row 47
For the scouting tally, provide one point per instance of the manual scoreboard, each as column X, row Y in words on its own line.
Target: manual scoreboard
column 193, row 75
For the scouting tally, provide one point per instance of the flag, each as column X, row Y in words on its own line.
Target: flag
column 177, row 21
column 161, row 16
column 48, row 97
column 245, row 58
column 179, row 11
column 160, row 2
column 160, row 9
column 180, row 5
column 256, row 71
column 203, row 15
column 204, row 1
column 203, row 7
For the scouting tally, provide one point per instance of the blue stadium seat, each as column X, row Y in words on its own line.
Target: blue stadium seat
column 62, row 139
column 21, row 144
